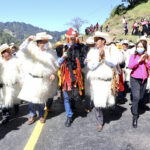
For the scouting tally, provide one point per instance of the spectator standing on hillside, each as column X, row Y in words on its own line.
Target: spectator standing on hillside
column 94, row 28
column 140, row 29
column 144, row 21
column 146, row 27
column 134, row 27
column 123, row 20
column 107, row 28
column 126, row 28
column 91, row 28
column 124, row 23
column 101, row 28
column 97, row 26
column 87, row 31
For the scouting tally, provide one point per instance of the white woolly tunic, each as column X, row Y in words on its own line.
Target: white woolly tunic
column 127, row 55
column 10, row 78
column 38, row 66
column 100, row 75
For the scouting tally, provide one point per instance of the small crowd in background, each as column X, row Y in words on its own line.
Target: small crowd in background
column 141, row 28
column 97, row 27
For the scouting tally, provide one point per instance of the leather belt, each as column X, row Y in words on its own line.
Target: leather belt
column 34, row 76
column 2, row 84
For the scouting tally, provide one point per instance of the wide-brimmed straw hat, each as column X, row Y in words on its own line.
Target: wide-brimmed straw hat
column 4, row 47
column 125, row 42
column 43, row 36
column 102, row 35
column 90, row 41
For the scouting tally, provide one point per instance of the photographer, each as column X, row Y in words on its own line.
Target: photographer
column 139, row 63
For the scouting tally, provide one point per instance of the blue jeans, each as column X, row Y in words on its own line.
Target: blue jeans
column 67, row 105
column 32, row 111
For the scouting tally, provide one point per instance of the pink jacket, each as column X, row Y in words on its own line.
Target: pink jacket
column 139, row 70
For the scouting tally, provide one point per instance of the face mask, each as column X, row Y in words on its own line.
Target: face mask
column 46, row 46
column 140, row 50
column 125, row 49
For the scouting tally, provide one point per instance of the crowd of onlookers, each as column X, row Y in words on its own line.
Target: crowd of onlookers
column 141, row 28
column 91, row 29
column 138, row 28
column 97, row 27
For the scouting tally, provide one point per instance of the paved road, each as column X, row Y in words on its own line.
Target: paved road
column 117, row 133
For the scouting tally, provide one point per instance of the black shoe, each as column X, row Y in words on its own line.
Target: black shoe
column 5, row 115
column 144, row 107
column 73, row 108
column 121, row 101
column 134, row 123
column 16, row 108
column 4, row 120
column 68, row 122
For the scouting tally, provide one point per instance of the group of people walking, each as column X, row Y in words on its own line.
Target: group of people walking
column 95, row 68
column 28, row 76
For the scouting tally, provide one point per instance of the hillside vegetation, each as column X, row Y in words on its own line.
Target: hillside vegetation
column 131, row 15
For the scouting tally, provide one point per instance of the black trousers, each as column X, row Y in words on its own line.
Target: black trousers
column 138, row 88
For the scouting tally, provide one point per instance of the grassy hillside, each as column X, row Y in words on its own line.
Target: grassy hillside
column 136, row 13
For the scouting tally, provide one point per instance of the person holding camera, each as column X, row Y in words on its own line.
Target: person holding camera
column 139, row 63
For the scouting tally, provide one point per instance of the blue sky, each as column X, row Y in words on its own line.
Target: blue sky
column 54, row 14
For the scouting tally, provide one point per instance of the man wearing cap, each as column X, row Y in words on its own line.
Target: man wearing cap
column 40, row 66
column 71, row 62
column 10, row 81
column 102, row 62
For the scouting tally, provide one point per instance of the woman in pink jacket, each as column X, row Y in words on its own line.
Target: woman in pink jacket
column 139, row 64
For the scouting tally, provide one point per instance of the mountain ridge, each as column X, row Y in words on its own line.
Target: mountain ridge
column 19, row 31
